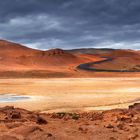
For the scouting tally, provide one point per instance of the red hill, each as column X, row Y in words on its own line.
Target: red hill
column 20, row 59
column 14, row 57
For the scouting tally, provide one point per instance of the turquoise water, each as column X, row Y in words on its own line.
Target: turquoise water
column 5, row 98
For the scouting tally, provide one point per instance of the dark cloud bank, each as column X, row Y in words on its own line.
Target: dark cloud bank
column 71, row 23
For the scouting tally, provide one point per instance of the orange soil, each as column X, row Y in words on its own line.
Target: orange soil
column 118, row 124
column 19, row 61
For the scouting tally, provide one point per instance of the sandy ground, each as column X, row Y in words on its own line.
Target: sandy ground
column 72, row 94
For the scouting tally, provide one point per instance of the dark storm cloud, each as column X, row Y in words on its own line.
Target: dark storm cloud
column 71, row 23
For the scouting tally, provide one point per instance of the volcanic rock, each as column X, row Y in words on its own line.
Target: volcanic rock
column 136, row 107
column 40, row 120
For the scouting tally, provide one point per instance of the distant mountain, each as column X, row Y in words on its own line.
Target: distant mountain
column 91, row 50
column 63, row 63
column 14, row 56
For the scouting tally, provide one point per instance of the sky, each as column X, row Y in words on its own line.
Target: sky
column 66, row 24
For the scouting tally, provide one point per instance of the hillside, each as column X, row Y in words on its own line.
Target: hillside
column 18, row 60
column 128, row 60
column 18, row 57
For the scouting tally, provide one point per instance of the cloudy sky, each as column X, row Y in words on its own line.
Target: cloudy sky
column 46, row 24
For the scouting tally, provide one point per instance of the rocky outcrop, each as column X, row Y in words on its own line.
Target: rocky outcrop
column 55, row 52
column 136, row 106
column 117, row 124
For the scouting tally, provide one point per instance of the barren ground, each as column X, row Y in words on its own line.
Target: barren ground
column 72, row 94
column 88, row 97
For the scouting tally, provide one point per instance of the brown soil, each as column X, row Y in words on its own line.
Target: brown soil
column 120, row 63
column 118, row 124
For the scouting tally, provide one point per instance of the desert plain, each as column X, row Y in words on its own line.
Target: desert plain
column 72, row 94
column 70, row 109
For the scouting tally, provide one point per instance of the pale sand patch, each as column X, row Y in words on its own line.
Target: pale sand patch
column 72, row 94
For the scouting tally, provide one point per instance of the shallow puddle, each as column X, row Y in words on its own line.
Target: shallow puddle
column 12, row 98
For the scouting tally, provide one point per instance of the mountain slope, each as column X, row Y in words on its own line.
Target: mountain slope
column 18, row 57
column 21, row 60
